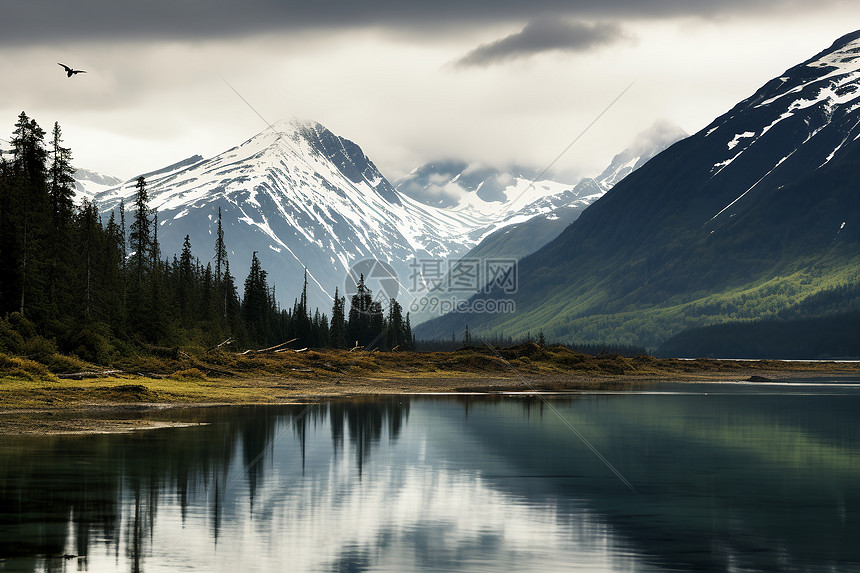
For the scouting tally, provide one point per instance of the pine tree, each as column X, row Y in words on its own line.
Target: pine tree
column 30, row 207
column 361, row 314
column 301, row 315
column 123, row 246
column 155, row 247
column 28, row 152
column 337, row 331
column 231, row 305
column 407, row 334
column 113, row 272
column 61, row 190
column 8, row 233
column 208, row 303
column 88, row 249
column 256, row 303
column 394, row 330
column 141, row 266
column 62, row 181
column 140, row 234
column 220, row 249
column 186, row 282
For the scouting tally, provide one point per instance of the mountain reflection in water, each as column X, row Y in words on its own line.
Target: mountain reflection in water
column 751, row 481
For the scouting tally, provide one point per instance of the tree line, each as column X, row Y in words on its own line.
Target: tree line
column 97, row 288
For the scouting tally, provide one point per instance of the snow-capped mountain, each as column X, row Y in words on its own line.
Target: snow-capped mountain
column 88, row 184
column 444, row 183
column 305, row 198
column 528, row 231
column 498, row 197
column 511, row 196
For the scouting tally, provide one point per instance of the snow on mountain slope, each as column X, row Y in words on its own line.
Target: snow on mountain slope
column 88, row 184
column 796, row 123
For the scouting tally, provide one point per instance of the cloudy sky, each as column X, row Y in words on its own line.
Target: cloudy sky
column 491, row 81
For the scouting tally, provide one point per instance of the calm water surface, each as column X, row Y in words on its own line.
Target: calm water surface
column 727, row 477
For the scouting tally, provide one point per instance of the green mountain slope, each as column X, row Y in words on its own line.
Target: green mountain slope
column 747, row 219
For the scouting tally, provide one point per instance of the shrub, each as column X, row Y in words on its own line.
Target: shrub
column 23, row 368
column 91, row 346
column 38, row 348
column 11, row 340
column 62, row 364
column 193, row 373
column 20, row 323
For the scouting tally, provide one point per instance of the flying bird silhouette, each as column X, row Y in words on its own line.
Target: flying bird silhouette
column 69, row 71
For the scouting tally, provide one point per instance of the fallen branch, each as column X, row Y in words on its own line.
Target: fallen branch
column 269, row 349
column 83, row 375
column 217, row 346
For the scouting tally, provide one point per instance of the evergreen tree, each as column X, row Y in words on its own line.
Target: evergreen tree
column 8, row 232
column 61, row 189
column 376, row 327
column 30, row 207
column 231, row 306
column 62, row 181
column 302, row 323
column 394, row 328
column 140, row 234
column 360, row 329
column 89, row 253
column 141, row 266
column 29, row 153
column 113, row 265
column 220, row 250
column 337, row 330
column 185, row 282
column 123, row 245
column 408, row 337
column 208, row 303
column 256, row 303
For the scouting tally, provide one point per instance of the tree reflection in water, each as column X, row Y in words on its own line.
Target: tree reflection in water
column 61, row 495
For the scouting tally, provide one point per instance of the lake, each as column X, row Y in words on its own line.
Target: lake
column 739, row 477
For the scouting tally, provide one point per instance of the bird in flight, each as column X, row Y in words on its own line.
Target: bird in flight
column 69, row 71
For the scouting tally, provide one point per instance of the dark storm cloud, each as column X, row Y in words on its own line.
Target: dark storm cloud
column 29, row 22
column 542, row 35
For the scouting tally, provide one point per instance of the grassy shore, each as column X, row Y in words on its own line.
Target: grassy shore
column 32, row 391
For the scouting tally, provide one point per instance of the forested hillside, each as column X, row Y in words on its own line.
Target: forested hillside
column 72, row 282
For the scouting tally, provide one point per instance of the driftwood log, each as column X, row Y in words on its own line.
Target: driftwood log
column 225, row 343
column 269, row 349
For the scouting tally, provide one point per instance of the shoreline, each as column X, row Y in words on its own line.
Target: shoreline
column 120, row 404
